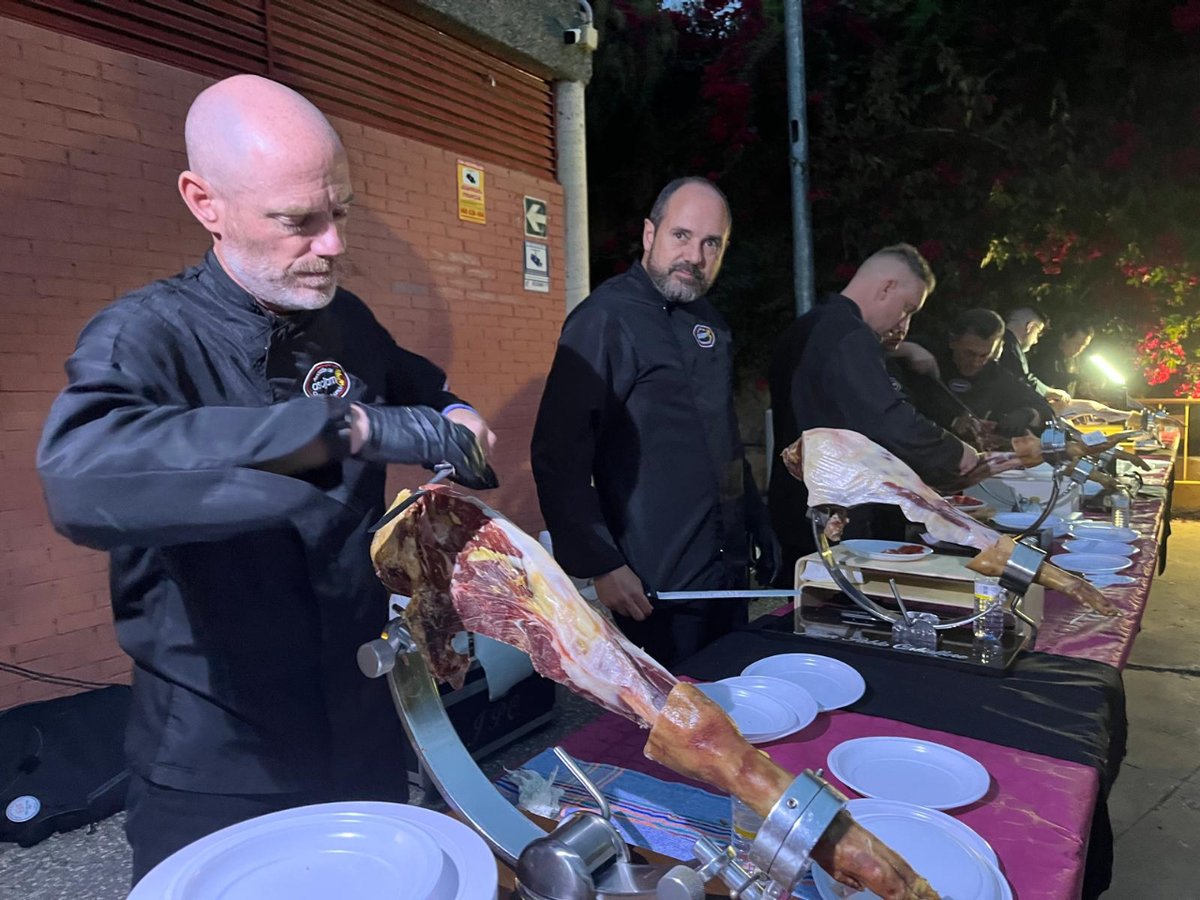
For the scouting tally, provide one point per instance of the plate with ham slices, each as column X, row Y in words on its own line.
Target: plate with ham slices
column 890, row 551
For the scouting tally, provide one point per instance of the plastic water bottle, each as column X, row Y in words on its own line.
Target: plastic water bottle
column 1120, row 509
column 745, row 823
column 989, row 600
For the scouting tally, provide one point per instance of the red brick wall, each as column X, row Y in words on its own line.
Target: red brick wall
column 91, row 141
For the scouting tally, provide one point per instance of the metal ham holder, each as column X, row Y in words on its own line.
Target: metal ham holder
column 923, row 633
column 584, row 857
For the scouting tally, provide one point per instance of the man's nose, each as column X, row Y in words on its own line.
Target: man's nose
column 330, row 241
column 693, row 252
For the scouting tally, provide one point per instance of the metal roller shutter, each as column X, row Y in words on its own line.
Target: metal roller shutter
column 360, row 59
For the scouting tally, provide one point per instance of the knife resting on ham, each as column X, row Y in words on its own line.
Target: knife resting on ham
column 467, row 568
column 843, row 469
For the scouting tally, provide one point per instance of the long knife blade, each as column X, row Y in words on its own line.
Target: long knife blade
column 442, row 470
column 724, row 595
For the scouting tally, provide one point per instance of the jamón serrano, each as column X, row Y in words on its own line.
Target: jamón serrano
column 468, row 568
column 844, row 469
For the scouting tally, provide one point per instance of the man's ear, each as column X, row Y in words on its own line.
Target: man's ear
column 203, row 203
column 647, row 237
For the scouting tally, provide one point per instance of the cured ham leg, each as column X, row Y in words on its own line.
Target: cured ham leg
column 468, row 568
column 843, row 468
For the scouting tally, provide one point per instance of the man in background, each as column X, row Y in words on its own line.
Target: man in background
column 1056, row 362
column 828, row 372
column 639, row 465
column 1024, row 327
column 975, row 380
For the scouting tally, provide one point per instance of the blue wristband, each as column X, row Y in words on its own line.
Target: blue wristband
column 454, row 406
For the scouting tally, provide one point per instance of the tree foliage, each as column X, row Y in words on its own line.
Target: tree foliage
column 1035, row 152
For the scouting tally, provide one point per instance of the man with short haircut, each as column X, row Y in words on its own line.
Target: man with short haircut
column 224, row 435
column 1055, row 363
column 828, row 372
column 639, row 466
column 972, row 375
column 1025, row 326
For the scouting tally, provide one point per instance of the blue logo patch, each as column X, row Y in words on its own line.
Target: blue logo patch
column 959, row 385
column 704, row 336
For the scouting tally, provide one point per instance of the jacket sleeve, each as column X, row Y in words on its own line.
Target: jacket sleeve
column 125, row 461
column 591, row 356
column 1018, row 392
column 934, row 400
column 856, row 380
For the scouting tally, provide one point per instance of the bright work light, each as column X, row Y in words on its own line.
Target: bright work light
column 1109, row 371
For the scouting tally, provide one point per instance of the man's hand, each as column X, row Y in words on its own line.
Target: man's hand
column 1057, row 398
column 471, row 420
column 992, row 464
column 621, row 591
column 917, row 358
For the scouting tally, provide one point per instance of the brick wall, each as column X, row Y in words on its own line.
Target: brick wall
column 91, row 141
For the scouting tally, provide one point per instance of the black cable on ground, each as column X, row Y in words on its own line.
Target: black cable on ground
column 48, row 678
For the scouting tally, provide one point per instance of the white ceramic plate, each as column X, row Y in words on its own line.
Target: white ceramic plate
column 1091, row 563
column 1104, row 548
column 957, row 861
column 1019, row 521
column 354, row 849
column 1103, row 581
column 787, row 692
column 892, row 551
column 758, row 715
column 1100, row 531
column 832, row 683
column 908, row 770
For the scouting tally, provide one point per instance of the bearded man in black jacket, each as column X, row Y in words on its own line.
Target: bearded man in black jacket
column 224, row 435
column 639, row 465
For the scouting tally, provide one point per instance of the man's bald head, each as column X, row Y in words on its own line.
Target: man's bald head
column 240, row 123
column 890, row 286
column 268, row 179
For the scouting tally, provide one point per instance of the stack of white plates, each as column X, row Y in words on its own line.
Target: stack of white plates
column 832, row 683
column 1105, row 548
column 953, row 857
column 790, row 694
column 1091, row 563
column 910, row 771
column 355, row 849
column 759, row 714
column 1101, row 531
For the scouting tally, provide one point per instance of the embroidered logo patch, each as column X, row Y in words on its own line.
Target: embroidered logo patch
column 327, row 379
column 704, row 336
column 959, row 385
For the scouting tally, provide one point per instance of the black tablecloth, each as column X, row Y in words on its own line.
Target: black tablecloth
column 1058, row 706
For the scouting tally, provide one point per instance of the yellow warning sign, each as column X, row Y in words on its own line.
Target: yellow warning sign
column 471, row 206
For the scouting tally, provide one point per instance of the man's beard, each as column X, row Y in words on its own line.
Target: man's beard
column 292, row 291
column 676, row 291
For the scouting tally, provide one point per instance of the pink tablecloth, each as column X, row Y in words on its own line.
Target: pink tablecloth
column 1068, row 630
column 1036, row 815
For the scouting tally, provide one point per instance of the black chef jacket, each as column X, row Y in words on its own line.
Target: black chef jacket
column 828, row 372
column 1050, row 366
column 636, row 450
column 240, row 595
column 995, row 394
column 1014, row 359
column 931, row 398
